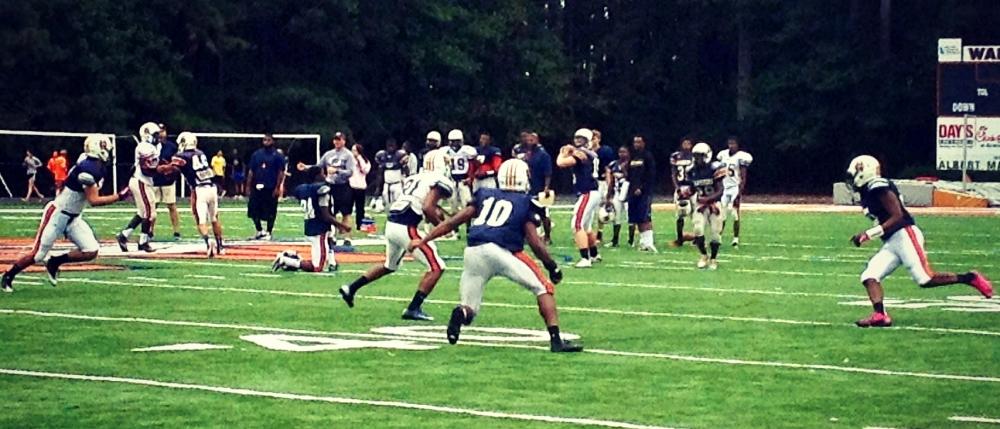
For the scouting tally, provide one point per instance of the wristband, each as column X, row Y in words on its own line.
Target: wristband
column 875, row 232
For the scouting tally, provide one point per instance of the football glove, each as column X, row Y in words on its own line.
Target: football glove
column 555, row 274
column 869, row 234
column 124, row 193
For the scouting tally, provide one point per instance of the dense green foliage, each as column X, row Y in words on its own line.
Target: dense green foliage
column 821, row 79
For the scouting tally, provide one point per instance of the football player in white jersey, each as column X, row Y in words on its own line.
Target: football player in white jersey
column 62, row 216
column 418, row 202
column 147, row 165
column 462, row 157
column 736, row 162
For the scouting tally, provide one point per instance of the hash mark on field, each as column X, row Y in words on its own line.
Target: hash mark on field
column 148, row 279
column 204, row 276
column 974, row 420
column 522, row 306
column 335, row 400
column 263, row 275
column 664, row 356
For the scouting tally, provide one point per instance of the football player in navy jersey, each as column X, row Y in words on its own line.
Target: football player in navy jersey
column 418, row 202
column 616, row 178
column 902, row 241
column 318, row 219
column 488, row 159
column 502, row 220
column 584, row 164
column 62, row 216
column 706, row 178
column 199, row 176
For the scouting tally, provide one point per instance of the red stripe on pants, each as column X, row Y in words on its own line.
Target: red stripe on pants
column 322, row 253
column 920, row 251
column 41, row 228
column 578, row 218
column 145, row 200
column 549, row 287
column 425, row 249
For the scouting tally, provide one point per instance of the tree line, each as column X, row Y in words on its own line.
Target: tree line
column 805, row 83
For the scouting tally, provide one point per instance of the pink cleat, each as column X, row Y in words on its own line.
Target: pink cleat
column 982, row 284
column 876, row 320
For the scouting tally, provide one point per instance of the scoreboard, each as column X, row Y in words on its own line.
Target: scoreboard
column 968, row 106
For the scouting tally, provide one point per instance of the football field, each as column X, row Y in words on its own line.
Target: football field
column 767, row 341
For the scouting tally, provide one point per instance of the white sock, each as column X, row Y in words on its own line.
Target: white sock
column 127, row 231
column 291, row 262
column 143, row 238
column 646, row 238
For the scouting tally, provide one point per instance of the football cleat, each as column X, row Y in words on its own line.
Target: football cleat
column 417, row 314
column 565, row 347
column 7, row 284
column 736, row 242
column 52, row 272
column 584, row 263
column 597, row 258
column 177, row 236
column 648, row 248
column 146, row 248
column 455, row 324
column 703, row 262
column 713, row 264
column 266, row 236
column 876, row 320
column 345, row 293
column 258, row 236
column 277, row 265
column 982, row 284
column 122, row 242
column 220, row 249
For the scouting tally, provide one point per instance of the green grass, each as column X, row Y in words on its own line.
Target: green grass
column 659, row 304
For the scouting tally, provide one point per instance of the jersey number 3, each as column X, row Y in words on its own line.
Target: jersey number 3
column 494, row 213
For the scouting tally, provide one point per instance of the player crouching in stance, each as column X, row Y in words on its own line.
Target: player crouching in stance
column 583, row 163
column 62, row 216
column 317, row 208
column 706, row 179
column 204, row 197
column 902, row 241
column 502, row 219
column 418, row 202
column 147, row 165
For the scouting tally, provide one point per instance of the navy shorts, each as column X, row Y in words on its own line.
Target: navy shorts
column 640, row 209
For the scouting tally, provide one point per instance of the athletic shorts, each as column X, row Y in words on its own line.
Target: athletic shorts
column 145, row 198
column 905, row 247
column 343, row 199
column 166, row 194
column 640, row 209
column 397, row 239
column 56, row 224
column 485, row 261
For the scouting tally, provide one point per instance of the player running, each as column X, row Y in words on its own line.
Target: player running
column 902, row 241
column 502, row 220
column 318, row 217
column 204, row 196
column 736, row 162
column 680, row 163
column 706, row 179
column 147, row 165
column 421, row 194
column 616, row 178
column 62, row 216
column 584, row 163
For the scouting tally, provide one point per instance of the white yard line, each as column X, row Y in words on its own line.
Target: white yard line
column 332, row 399
column 591, row 310
column 262, row 275
column 974, row 420
column 203, row 276
column 148, row 279
column 665, row 356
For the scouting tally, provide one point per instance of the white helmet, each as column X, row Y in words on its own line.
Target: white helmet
column 585, row 134
column 702, row 150
column 606, row 213
column 456, row 134
column 513, row 176
column 187, row 141
column 435, row 137
column 862, row 170
column 436, row 161
column 148, row 131
column 98, row 146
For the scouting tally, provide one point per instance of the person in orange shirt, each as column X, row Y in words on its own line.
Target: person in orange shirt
column 58, row 165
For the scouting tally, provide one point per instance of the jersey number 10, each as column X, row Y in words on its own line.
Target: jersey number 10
column 494, row 213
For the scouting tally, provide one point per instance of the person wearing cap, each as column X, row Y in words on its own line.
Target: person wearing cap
column 340, row 165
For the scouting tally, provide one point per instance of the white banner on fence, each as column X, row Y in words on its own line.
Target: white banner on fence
column 980, row 134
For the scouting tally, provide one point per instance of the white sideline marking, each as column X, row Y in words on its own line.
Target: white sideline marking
column 334, row 400
column 665, row 356
column 182, row 347
column 203, row 276
column 148, row 279
column 974, row 419
column 524, row 306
